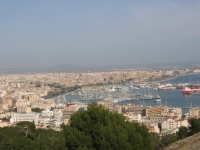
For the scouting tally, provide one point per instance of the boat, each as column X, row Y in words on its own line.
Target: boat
column 186, row 90
column 134, row 87
column 157, row 100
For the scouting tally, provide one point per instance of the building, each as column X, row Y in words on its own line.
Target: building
column 68, row 111
column 18, row 117
column 136, row 117
column 194, row 112
column 153, row 128
column 31, row 96
column 57, row 113
column 108, row 104
column 134, row 108
column 47, row 113
column 118, row 109
column 156, row 110
column 3, row 123
column 22, row 102
column 25, row 109
column 173, row 123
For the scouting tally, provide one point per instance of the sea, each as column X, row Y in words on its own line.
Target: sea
column 170, row 98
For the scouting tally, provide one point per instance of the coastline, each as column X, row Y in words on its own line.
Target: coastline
column 162, row 80
column 188, row 74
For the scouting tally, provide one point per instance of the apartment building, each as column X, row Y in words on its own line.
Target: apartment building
column 18, row 117
column 194, row 112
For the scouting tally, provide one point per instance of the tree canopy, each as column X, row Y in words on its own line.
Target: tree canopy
column 24, row 137
column 94, row 129
column 97, row 128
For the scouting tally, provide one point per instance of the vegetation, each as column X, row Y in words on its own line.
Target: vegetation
column 59, row 90
column 38, row 110
column 182, row 133
column 94, row 129
column 73, row 88
column 194, row 126
column 167, row 139
column 193, row 129
column 97, row 128
column 24, row 136
column 55, row 93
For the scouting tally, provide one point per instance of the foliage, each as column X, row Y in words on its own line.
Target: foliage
column 58, row 90
column 97, row 128
column 194, row 126
column 156, row 141
column 94, row 129
column 38, row 110
column 27, row 128
column 24, row 136
column 71, row 89
column 182, row 133
column 167, row 139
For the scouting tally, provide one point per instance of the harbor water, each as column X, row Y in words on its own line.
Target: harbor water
column 170, row 98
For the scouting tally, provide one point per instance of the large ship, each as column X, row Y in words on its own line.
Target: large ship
column 186, row 90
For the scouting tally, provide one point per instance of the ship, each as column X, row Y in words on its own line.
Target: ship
column 186, row 90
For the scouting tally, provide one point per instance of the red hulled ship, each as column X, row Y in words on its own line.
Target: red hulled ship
column 186, row 90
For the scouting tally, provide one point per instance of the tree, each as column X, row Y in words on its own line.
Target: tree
column 22, row 143
column 168, row 139
column 25, row 136
column 27, row 127
column 97, row 128
column 194, row 126
column 49, row 139
column 156, row 141
column 182, row 133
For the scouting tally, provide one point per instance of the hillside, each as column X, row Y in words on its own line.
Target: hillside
column 189, row 143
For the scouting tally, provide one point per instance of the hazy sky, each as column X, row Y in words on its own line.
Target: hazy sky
column 41, row 33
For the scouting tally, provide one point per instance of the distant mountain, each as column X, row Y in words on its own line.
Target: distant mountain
column 71, row 68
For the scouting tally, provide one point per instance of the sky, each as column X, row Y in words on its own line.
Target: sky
column 44, row 33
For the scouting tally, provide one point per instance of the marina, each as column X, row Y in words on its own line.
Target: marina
column 122, row 95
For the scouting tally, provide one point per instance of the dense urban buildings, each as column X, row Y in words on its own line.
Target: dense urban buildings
column 24, row 97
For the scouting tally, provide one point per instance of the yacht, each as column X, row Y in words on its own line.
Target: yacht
column 157, row 100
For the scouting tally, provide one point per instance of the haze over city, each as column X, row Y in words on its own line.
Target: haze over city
column 37, row 34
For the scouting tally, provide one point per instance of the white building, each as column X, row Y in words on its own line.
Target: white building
column 18, row 117
column 136, row 117
column 171, row 123
column 154, row 128
column 47, row 113
column 58, row 113
column 44, row 121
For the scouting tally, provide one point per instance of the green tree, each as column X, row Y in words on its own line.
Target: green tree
column 49, row 139
column 182, row 133
column 167, row 139
column 97, row 128
column 156, row 141
column 194, row 126
column 22, row 143
column 6, row 134
column 25, row 136
column 27, row 127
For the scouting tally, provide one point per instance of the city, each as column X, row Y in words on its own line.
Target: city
column 28, row 97
column 99, row 75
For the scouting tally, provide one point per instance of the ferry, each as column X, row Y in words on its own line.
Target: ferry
column 186, row 90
